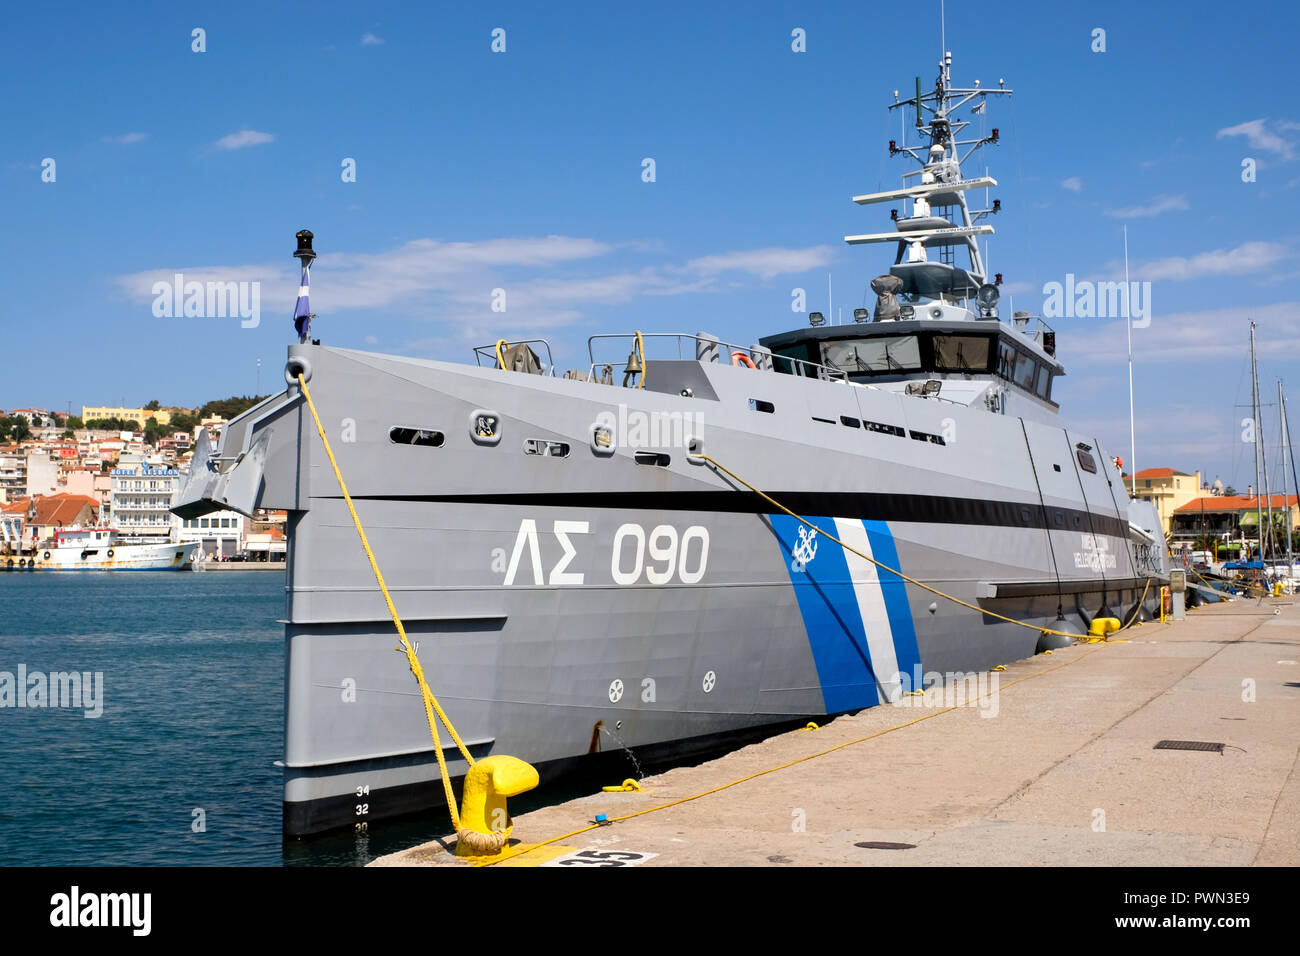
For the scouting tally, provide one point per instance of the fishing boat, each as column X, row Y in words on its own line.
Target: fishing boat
column 686, row 540
column 101, row 549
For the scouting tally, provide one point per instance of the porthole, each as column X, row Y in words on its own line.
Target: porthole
column 401, row 435
column 546, row 448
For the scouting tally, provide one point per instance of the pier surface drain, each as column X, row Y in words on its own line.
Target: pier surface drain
column 885, row 845
column 1189, row 745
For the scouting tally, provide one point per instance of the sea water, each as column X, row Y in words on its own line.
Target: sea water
column 178, row 767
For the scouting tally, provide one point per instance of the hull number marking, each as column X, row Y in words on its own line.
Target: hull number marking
column 658, row 556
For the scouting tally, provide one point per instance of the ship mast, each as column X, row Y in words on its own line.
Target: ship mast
column 940, row 217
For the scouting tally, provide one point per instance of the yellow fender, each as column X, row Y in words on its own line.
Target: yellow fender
column 485, row 826
column 1101, row 626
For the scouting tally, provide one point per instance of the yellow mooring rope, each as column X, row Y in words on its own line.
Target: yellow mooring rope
column 910, row 580
column 431, row 705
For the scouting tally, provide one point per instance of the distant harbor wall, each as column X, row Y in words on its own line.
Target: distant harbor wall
column 206, row 566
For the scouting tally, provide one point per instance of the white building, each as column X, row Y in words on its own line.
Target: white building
column 142, row 499
column 220, row 534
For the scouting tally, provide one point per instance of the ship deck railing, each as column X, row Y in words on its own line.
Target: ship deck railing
column 700, row 347
column 487, row 354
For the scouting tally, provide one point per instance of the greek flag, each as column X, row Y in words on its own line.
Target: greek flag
column 302, row 311
column 978, row 107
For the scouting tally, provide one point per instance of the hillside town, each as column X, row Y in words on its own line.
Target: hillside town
column 119, row 467
column 1209, row 517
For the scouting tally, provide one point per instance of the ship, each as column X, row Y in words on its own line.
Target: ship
column 100, row 549
column 687, row 541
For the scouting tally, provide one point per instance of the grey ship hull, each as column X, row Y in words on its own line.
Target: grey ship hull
column 546, row 641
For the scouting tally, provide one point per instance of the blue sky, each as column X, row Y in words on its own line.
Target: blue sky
column 522, row 170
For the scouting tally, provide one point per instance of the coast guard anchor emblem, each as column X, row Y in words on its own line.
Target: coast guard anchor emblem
column 806, row 549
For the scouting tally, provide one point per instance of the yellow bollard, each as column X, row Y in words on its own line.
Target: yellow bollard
column 1101, row 626
column 484, row 824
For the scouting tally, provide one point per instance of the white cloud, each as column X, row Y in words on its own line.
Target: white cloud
column 369, row 39
column 1074, row 184
column 764, row 263
column 1247, row 257
column 1259, row 136
column 548, row 281
column 245, row 137
column 1154, row 208
column 127, row 139
column 1209, row 335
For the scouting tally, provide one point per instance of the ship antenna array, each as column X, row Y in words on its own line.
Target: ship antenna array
column 934, row 116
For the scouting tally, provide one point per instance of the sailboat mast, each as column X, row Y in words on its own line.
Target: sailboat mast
column 1268, row 499
column 1286, row 457
column 1254, row 411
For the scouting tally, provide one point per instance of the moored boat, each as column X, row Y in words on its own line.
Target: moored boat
column 101, row 549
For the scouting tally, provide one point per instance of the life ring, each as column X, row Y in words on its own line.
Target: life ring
column 741, row 358
column 110, row 552
column 46, row 556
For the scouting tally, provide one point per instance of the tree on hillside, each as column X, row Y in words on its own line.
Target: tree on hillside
column 152, row 431
column 15, row 428
column 153, row 406
column 228, row 408
column 183, row 422
column 74, row 421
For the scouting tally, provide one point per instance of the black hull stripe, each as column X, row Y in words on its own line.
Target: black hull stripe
column 874, row 506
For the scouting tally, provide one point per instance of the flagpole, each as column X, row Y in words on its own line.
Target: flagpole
column 1128, row 325
column 302, row 309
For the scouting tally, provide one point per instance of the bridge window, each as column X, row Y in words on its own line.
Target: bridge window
column 894, row 353
column 1006, row 359
column 961, row 353
column 1026, row 369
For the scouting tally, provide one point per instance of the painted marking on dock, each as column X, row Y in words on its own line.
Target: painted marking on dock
column 539, row 856
column 594, row 856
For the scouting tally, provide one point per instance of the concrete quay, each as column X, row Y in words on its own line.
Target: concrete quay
column 1051, row 762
